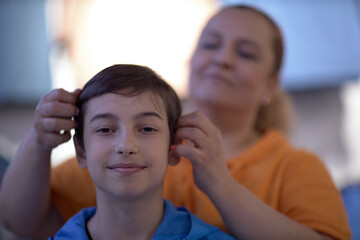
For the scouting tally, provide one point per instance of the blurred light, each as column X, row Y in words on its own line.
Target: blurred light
column 159, row 34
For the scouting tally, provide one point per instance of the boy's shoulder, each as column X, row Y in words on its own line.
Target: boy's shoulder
column 75, row 227
column 204, row 231
column 180, row 223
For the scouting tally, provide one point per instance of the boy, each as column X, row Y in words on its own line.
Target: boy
column 126, row 118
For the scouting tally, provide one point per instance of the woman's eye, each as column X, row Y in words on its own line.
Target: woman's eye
column 209, row 45
column 246, row 53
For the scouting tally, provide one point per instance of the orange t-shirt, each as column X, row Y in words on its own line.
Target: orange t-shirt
column 293, row 182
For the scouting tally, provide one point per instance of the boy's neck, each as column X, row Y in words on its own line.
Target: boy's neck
column 126, row 219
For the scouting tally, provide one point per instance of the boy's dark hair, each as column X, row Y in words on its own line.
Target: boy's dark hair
column 128, row 80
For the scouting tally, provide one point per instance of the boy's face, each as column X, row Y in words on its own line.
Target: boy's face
column 126, row 141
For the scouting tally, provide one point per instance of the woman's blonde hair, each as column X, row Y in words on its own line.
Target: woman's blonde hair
column 277, row 114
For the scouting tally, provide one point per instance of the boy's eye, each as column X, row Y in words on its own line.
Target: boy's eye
column 104, row 130
column 148, row 129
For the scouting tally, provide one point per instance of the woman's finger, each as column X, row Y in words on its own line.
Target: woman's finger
column 189, row 152
column 195, row 135
column 54, row 139
column 200, row 121
column 61, row 95
column 55, row 125
column 57, row 109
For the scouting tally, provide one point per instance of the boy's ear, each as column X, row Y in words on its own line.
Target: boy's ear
column 80, row 153
column 173, row 158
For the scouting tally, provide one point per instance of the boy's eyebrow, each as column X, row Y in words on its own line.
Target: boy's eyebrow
column 148, row 114
column 113, row 117
column 103, row 115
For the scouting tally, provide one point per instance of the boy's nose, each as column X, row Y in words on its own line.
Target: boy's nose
column 127, row 145
column 126, row 151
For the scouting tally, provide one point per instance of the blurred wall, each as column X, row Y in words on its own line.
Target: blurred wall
column 24, row 48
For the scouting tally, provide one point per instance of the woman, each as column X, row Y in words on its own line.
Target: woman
column 241, row 175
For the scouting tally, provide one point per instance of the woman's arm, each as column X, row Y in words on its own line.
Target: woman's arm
column 245, row 216
column 253, row 219
column 25, row 203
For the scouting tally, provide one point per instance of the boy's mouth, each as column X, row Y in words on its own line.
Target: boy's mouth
column 126, row 168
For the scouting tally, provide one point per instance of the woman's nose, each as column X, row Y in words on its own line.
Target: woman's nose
column 225, row 56
column 127, row 145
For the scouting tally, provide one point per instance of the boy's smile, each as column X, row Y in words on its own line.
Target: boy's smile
column 126, row 144
column 126, row 168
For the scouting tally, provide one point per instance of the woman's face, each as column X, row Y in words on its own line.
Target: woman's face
column 232, row 66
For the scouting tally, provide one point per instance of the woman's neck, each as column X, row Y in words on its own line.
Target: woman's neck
column 126, row 219
column 237, row 141
column 237, row 128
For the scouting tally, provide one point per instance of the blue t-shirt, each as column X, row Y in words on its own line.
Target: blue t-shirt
column 177, row 223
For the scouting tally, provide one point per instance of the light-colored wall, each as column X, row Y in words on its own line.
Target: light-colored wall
column 318, row 127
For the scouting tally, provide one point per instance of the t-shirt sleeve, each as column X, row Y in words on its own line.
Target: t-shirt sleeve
column 310, row 197
column 71, row 188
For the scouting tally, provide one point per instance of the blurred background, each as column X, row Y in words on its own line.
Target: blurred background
column 47, row 44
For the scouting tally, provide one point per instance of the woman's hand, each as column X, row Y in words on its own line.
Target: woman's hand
column 53, row 117
column 28, row 175
column 200, row 141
